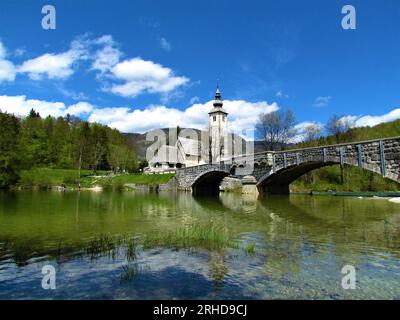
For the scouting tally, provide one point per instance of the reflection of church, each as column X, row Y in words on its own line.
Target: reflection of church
column 193, row 151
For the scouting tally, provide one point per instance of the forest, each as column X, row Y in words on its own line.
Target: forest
column 63, row 143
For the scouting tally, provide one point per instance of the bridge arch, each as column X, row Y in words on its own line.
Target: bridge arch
column 208, row 182
column 278, row 181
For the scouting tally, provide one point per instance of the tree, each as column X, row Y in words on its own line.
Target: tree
column 338, row 125
column 81, row 144
column 98, row 144
column 33, row 142
column 312, row 132
column 276, row 128
column 61, row 144
column 9, row 163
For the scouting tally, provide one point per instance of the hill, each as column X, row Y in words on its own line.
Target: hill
column 348, row 178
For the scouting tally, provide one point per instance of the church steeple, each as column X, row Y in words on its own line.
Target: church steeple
column 218, row 128
column 218, row 101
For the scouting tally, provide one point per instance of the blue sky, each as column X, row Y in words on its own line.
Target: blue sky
column 137, row 65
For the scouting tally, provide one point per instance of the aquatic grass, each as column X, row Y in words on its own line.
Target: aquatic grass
column 106, row 244
column 250, row 249
column 192, row 236
column 100, row 245
column 129, row 272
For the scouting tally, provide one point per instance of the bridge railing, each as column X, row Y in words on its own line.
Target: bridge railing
column 316, row 147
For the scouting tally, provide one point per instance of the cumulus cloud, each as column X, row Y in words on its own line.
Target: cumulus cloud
column 142, row 76
column 7, row 69
column 242, row 116
column 128, row 78
column 107, row 56
column 322, row 101
column 56, row 65
column 370, row 121
column 20, row 106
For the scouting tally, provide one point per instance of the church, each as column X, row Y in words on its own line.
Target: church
column 205, row 147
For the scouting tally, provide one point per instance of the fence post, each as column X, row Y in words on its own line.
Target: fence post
column 273, row 163
column 284, row 160
column 360, row 157
column 382, row 152
column 341, row 156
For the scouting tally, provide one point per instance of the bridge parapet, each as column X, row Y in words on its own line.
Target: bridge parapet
column 274, row 171
column 381, row 156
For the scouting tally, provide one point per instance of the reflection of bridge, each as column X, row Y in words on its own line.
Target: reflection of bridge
column 274, row 171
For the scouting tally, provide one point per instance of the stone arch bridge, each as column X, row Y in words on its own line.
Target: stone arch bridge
column 274, row 171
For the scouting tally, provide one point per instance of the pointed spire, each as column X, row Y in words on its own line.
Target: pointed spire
column 218, row 101
column 217, row 94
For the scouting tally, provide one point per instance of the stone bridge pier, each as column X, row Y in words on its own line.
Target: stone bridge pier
column 275, row 171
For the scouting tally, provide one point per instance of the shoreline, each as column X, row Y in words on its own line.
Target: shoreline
column 366, row 194
column 393, row 196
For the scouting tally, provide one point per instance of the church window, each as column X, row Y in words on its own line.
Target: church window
column 214, row 118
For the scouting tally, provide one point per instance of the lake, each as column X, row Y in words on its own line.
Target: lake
column 136, row 245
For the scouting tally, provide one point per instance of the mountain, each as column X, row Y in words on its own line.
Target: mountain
column 141, row 144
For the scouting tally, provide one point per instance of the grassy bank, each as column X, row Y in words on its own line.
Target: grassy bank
column 45, row 178
column 354, row 180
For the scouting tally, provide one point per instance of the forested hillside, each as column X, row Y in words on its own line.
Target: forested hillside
column 63, row 143
column 348, row 178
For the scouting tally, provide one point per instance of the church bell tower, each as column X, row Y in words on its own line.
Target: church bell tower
column 218, row 128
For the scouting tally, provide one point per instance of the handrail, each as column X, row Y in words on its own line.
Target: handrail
column 318, row 147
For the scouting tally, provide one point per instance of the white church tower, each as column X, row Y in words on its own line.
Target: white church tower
column 218, row 128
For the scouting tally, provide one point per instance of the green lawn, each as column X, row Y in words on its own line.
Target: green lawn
column 354, row 180
column 45, row 178
column 144, row 178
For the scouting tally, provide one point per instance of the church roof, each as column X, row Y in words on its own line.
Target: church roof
column 216, row 110
column 218, row 103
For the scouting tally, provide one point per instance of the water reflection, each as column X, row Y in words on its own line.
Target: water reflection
column 300, row 244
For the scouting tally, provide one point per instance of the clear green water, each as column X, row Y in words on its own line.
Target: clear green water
column 299, row 246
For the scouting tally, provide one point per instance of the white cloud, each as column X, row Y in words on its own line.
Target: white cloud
column 165, row 44
column 322, row 101
column 21, row 106
column 300, row 130
column 7, row 69
column 106, row 57
column 56, row 66
column 370, row 121
column 142, row 76
column 79, row 109
column 242, row 116
column 194, row 100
